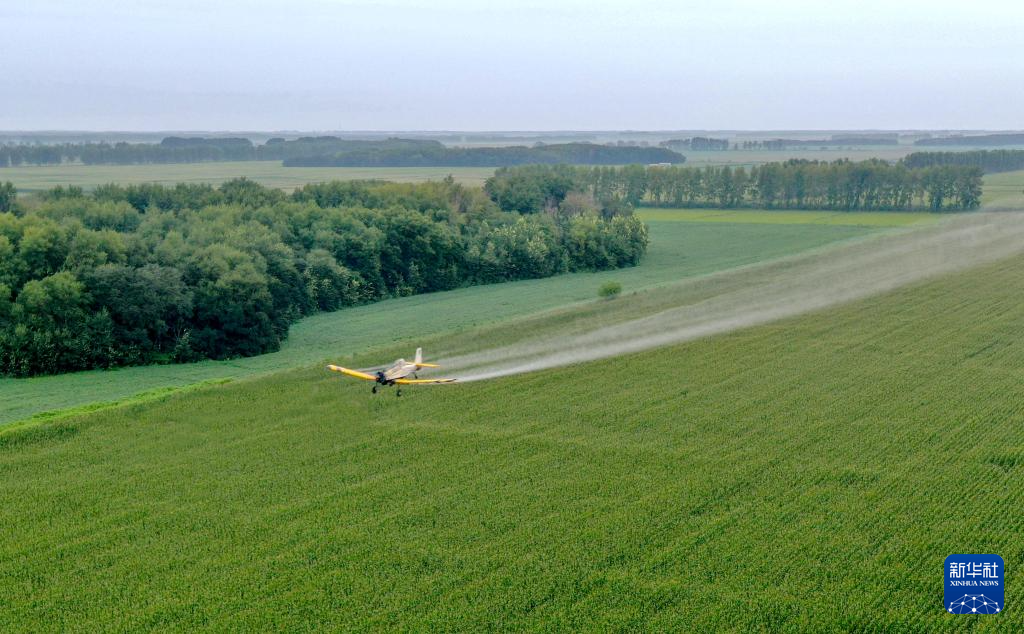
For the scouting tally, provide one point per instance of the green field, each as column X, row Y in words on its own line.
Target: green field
column 760, row 216
column 678, row 250
column 269, row 173
column 809, row 475
column 776, row 478
column 757, row 157
column 1003, row 191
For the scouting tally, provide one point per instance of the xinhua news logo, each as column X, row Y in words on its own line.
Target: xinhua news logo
column 974, row 584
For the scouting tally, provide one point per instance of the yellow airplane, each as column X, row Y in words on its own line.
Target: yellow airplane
column 396, row 374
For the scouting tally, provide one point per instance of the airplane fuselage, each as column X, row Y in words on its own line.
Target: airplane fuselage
column 398, row 370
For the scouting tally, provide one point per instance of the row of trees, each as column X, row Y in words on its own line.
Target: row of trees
column 697, row 144
column 794, row 184
column 440, row 156
column 197, row 150
column 977, row 140
column 987, row 160
column 132, row 275
column 329, row 151
column 834, row 141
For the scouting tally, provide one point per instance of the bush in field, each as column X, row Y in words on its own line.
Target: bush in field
column 610, row 289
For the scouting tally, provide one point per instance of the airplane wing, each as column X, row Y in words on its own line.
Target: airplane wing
column 414, row 381
column 355, row 373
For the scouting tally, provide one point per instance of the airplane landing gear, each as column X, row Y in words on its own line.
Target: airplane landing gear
column 398, row 392
column 374, row 390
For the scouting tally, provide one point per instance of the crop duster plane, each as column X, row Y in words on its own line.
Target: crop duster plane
column 396, row 374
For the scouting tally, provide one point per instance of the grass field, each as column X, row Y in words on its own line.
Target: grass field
column 810, row 475
column 1003, row 191
column 677, row 250
column 757, row 157
column 760, row 216
column 269, row 173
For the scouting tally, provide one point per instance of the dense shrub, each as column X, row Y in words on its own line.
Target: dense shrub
column 609, row 289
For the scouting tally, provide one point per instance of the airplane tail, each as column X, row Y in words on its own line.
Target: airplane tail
column 419, row 360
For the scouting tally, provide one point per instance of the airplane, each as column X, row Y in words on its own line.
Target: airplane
column 396, row 374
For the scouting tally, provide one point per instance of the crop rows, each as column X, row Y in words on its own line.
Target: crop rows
column 807, row 475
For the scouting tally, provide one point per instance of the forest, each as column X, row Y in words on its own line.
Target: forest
column 327, row 151
column 990, row 161
column 795, row 184
column 132, row 275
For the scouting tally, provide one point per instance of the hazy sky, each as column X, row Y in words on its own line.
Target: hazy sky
column 502, row 65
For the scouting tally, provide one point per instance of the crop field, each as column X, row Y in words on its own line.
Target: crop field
column 775, row 478
column 678, row 250
column 269, row 173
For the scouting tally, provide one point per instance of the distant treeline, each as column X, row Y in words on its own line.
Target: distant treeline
column 197, row 150
column 795, row 184
column 782, row 144
column 697, row 144
column 987, row 160
column 707, row 144
column 329, row 151
column 144, row 273
column 975, row 141
column 441, row 156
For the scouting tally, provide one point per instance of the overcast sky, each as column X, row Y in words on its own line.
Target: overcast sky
column 502, row 65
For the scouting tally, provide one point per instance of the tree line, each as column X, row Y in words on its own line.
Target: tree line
column 794, row 184
column 328, row 151
column 987, row 160
column 697, row 144
column 975, row 140
column 196, row 150
column 147, row 273
column 441, row 156
column 834, row 141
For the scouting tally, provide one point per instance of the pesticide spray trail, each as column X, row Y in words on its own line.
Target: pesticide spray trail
column 771, row 291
